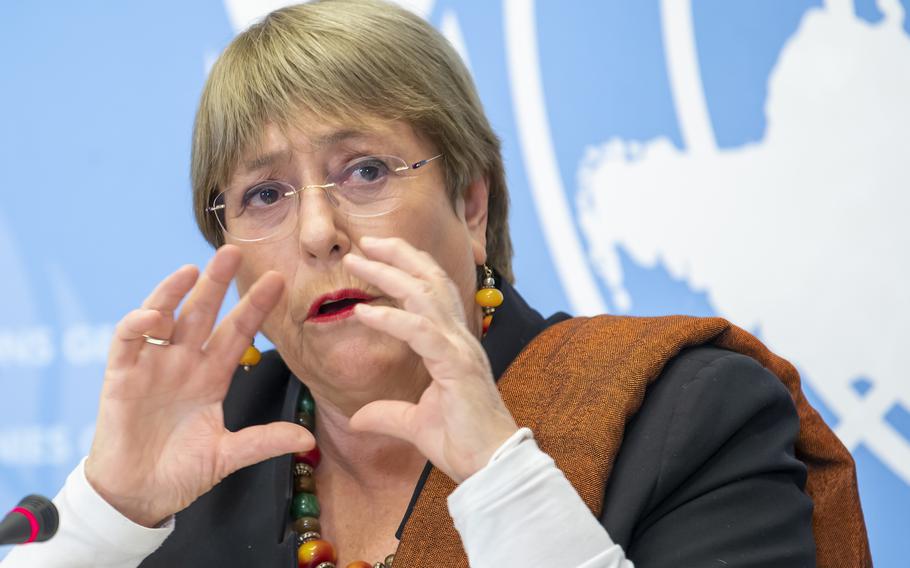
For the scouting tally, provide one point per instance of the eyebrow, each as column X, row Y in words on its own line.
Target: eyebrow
column 260, row 162
column 331, row 139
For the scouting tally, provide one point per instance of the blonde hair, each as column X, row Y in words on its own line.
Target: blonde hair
column 343, row 59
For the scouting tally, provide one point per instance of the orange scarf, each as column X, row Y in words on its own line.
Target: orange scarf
column 564, row 367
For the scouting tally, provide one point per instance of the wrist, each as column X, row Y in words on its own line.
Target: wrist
column 136, row 510
column 492, row 448
column 514, row 440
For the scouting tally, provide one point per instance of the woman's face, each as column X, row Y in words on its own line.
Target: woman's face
column 342, row 359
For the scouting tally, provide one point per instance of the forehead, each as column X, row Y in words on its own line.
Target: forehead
column 279, row 144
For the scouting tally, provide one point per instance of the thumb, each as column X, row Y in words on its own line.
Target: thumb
column 254, row 444
column 389, row 417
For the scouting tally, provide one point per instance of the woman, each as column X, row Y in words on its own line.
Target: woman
column 344, row 168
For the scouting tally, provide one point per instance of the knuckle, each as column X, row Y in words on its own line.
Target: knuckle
column 204, row 305
column 425, row 288
column 424, row 325
column 258, row 303
column 438, row 273
column 385, row 315
column 133, row 314
column 216, row 278
column 128, row 323
column 244, row 327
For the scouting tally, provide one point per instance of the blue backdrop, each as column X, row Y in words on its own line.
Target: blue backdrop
column 746, row 159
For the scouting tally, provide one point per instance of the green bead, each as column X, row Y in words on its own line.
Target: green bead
column 306, row 420
column 306, row 402
column 304, row 505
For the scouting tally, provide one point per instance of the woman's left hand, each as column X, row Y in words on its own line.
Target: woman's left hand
column 460, row 419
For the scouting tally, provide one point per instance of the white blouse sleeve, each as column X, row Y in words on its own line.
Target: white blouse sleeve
column 91, row 533
column 520, row 510
column 504, row 513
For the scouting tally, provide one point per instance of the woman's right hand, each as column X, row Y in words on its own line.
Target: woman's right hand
column 160, row 440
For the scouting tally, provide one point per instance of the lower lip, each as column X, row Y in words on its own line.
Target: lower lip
column 334, row 316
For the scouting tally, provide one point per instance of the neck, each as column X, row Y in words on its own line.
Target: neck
column 373, row 462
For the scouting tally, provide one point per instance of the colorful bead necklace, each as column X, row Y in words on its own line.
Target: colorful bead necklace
column 312, row 550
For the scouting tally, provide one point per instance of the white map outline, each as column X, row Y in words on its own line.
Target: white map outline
column 861, row 417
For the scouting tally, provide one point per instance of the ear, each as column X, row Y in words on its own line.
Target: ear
column 474, row 203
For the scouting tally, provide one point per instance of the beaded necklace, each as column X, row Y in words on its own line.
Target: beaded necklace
column 312, row 550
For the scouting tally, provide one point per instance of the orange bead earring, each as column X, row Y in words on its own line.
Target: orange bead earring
column 251, row 357
column 488, row 298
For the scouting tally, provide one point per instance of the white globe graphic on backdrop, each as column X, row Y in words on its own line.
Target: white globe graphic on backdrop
column 837, row 139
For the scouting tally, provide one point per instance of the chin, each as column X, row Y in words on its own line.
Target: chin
column 368, row 364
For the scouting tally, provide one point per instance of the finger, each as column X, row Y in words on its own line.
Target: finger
column 254, row 444
column 402, row 254
column 420, row 333
column 234, row 334
column 199, row 312
column 416, row 295
column 167, row 296
column 128, row 336
column 389, row 417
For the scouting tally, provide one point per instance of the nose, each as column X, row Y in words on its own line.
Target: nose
column 322, row 232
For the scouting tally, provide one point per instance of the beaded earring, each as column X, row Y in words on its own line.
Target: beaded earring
column 488, row 297
column 251, row 357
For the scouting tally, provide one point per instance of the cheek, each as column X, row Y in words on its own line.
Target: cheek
column 244, row 279
column 437, row 229
column 259, row 260
column 249, row 272
column 433, row 225
column 251, row 269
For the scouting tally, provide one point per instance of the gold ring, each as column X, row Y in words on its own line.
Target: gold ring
column 156, row 341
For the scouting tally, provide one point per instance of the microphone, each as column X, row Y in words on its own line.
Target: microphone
column 35, row 519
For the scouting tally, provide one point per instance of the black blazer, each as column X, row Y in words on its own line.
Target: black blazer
column 705, row 476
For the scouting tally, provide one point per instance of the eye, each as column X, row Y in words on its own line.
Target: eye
column 263, row 195
column 365, row 172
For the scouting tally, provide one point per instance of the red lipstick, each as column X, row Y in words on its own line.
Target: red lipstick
column 336, row 305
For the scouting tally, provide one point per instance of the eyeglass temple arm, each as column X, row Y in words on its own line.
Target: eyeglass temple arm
column 422, row 163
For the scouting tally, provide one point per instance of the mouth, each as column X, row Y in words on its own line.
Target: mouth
column 336, row 305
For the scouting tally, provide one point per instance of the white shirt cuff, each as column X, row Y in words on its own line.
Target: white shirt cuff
column 91, row 533
column 507, row 511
